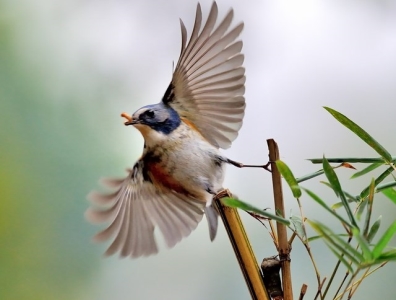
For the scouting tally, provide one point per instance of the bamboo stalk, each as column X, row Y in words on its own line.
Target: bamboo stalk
column 284, row 249
column 243, row 251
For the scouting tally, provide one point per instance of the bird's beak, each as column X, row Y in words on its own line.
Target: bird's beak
column 130, row 120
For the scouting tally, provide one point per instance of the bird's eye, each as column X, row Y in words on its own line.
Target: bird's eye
column 149, row 113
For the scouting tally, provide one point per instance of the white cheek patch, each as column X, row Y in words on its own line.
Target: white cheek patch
column 150, row 135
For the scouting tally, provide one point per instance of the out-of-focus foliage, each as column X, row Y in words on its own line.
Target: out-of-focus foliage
column 44, row 176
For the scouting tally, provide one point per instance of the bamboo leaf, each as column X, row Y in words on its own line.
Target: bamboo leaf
column 390, row 193
column 335, row 183
column 360, row 132
column 317, row 237
column 370, row 201
column 298, row 226
column 363, row 160
column 374, row 229
column 361, row 207
column 387, row 256
column 339, row 204
column 363, row 244
column 341, row 258
column 231, row 202
column 310, row 176
column 289, row 177
column 342, row 246
column 384, row 240
column 324, row 205
column 386, row 185
column 366, row 170
column 379, row 179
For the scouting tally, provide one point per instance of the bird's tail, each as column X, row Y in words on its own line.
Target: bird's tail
column 213, row 220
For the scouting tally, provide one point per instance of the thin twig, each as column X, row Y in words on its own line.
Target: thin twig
column 308, row 247
column 303, row 291
column 334, row 273
column 319, row 292
column 363, row 277
column 341, row 284
column 284, row 249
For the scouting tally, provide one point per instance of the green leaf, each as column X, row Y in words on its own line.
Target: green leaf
column 324, row 205
column 363, row 244
column 370, row 201
column 360, row 209
column 366, row 170
column 341, row 258
column 317, row 237
column 363, row 160
column 298, row 226
column 374, row 229
column 309, row 176
column 384, row 240
column 232, row 202
column 339, row 204
column 335, row 183
column 390, row 193
column 350, row 197
column 379, row 179
column 387, row 256
column 289, row 177
column 369, row 140
column 342, row 246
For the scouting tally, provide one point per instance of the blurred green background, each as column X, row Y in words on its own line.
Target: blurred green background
column 68, row 69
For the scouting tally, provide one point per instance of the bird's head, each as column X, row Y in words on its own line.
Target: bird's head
column 158, row 118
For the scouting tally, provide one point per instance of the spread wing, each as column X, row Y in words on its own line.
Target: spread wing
column 207, row 87
column 135, row 209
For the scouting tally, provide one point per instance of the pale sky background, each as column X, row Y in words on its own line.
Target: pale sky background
column 88, row 61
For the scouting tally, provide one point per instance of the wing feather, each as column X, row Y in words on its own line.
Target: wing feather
column 209, row 71
column 135, row 209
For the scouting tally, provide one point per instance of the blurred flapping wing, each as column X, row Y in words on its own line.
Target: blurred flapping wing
column 207, row 87
column 133, row 211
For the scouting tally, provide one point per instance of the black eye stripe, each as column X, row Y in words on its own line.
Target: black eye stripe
column 149, row 113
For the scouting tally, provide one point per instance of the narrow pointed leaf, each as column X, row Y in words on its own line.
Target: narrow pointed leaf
column 387, row 256
column 370, row 201
column 363, row 244
column 360, row 209
column 298, row 226
column 374, row 229
column 335, row 183
column 363, row 160
column 289, row 177
column 390, row 193
column 366, row 170
column 384, row 240
column 378, row 180
column 309, row 176
column 316, row 237
column 231, row 202
column 349, row 196
column 339, row 204
column 324, row 205
column 360, row 132
column 337, row 242
column 341, row 258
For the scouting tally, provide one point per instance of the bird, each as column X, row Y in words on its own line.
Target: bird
column 181, row 169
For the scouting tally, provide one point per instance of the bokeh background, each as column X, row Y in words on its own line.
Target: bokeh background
column 67, row 70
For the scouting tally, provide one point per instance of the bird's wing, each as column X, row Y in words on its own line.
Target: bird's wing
column 208, row 83
column 135, row 209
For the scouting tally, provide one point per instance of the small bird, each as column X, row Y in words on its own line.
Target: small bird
column 173, row 184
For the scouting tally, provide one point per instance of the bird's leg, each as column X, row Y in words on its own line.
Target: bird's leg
column 126, row 116
column 241, row 165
